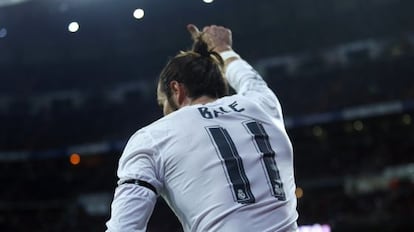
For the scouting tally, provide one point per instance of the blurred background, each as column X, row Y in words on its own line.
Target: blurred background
column 78, row 77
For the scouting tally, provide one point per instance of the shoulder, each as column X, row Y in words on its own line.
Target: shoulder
column 141, row 146
column 145, row 136
column 159, row 129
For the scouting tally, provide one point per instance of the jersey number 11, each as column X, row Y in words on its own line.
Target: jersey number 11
column 234, row 163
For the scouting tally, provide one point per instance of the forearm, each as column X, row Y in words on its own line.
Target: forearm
column 131, row 208
column 239, row 74
column 247, row 81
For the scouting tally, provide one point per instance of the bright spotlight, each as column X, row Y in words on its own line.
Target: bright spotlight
column 73, row 27
column 139, row 13
column 208, row 1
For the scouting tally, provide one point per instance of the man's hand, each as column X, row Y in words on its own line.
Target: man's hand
column 218, row 38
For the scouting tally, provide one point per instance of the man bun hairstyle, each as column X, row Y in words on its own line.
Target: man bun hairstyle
column 201, row 47
column 199, row 69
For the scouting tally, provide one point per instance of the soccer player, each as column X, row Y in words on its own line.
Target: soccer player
column 222, row 163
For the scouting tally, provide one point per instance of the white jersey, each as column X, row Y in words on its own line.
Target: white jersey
column 222, row 166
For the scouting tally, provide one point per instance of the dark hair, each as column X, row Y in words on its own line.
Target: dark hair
column 200, row 70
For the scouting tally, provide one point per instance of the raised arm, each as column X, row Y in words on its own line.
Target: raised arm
column 239, row 74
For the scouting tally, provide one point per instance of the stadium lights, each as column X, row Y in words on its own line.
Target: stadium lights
column 358, row 125
column 317, row 131
column 3, row 33
column 406, row 118
column 10, row 2
column 139, row 13
column 299, row 192
column 73, row 27
column 315, row 228
column 74, row 159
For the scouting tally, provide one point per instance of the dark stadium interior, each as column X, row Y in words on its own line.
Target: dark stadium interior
column 343, row 71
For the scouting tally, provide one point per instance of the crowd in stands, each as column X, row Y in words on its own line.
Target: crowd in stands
column 319, row 87
column 96, row 115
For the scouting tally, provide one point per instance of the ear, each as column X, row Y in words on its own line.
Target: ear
column 179, row 93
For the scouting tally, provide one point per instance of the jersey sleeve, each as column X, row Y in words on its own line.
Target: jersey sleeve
column 133, row 204
column 140, row 161
column 131, row 208
column 248, row 82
